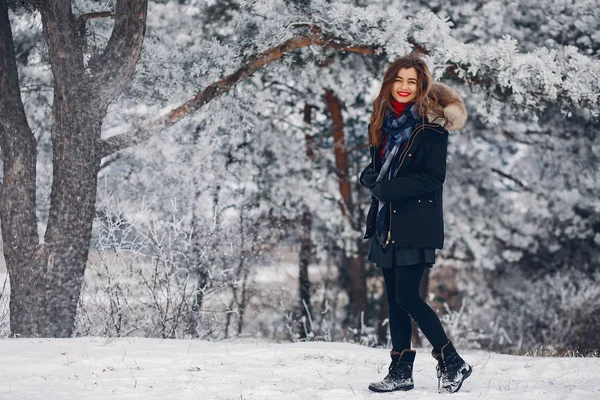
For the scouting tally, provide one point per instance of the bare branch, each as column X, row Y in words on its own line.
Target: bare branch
column 18, row 149
column 80, row 24
column 113, row 68
column 65, row 46
column 15, row 133
column 35, row 3
column 539, row 143
column 512, row 178
column 109, row 161
column 84, row 18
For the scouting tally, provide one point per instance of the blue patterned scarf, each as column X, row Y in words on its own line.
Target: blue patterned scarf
column 398, row 131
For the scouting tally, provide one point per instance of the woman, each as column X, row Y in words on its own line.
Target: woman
column 408, row 136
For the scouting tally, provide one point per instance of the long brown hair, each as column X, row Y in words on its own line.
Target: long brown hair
column 425, row 99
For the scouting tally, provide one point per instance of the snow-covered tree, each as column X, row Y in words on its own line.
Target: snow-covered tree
column 228, row 87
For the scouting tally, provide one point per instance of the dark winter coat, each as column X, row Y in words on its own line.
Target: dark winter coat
column 415, row 193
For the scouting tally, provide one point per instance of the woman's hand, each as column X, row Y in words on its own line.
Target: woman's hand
column 376, row 191
column 368, row 177
column 430, row 178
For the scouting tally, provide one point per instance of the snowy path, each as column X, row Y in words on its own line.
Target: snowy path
column 134, row 368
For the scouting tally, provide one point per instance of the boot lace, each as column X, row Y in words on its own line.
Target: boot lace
column 448, row 367
column 441, row 370
column 392, row 367
column 397, row 368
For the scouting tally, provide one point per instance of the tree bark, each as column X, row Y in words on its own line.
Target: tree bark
column 305, row 257
column 382, row 330
column 46, row 279
column 339, row 148
column 306, row 244
column 358, row 282
column 17, row 189
column 358, row 287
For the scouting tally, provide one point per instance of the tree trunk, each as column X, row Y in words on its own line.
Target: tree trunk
column 17, row 189
column 72, row 209
column 303, row 280
column 382, row 330
column 306, row 244
column 46, row 279
column 339, row 148
column 358, row 282
column 358, row 286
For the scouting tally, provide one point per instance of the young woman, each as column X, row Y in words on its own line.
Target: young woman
column 408, row 136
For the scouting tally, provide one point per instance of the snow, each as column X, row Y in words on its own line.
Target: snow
column 136, row 368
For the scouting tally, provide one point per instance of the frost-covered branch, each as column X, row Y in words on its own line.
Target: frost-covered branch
column 536, row 80
column 216, row 89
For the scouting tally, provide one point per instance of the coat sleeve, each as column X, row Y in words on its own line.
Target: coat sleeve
column 430, row 178
column 368, row 167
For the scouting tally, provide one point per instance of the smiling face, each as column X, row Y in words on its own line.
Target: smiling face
column 404, row 89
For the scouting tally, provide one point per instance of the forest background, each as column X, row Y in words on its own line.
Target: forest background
column 188, row 169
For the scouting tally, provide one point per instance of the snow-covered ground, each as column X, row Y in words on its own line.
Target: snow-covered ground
column 134, row 368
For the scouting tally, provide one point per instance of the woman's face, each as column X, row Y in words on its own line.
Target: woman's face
column 404, row 88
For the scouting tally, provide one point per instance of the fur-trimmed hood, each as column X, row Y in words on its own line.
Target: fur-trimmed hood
column 454, row 110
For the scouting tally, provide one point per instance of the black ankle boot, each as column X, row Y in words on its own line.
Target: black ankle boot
column 399, row 376
column 452, row 370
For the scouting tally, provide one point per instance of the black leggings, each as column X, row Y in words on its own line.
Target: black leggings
column 404, row 301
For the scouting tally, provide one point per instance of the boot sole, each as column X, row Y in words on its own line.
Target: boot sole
column 403, row 388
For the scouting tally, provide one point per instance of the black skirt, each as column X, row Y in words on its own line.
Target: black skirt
column 397, row 256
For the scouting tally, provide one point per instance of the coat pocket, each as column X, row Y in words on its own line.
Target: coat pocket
column 426, row 207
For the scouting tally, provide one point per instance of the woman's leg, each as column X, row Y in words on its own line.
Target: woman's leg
column 399, row 320
column 407, row 281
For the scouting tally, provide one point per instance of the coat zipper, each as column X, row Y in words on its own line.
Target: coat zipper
column 412, row 139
